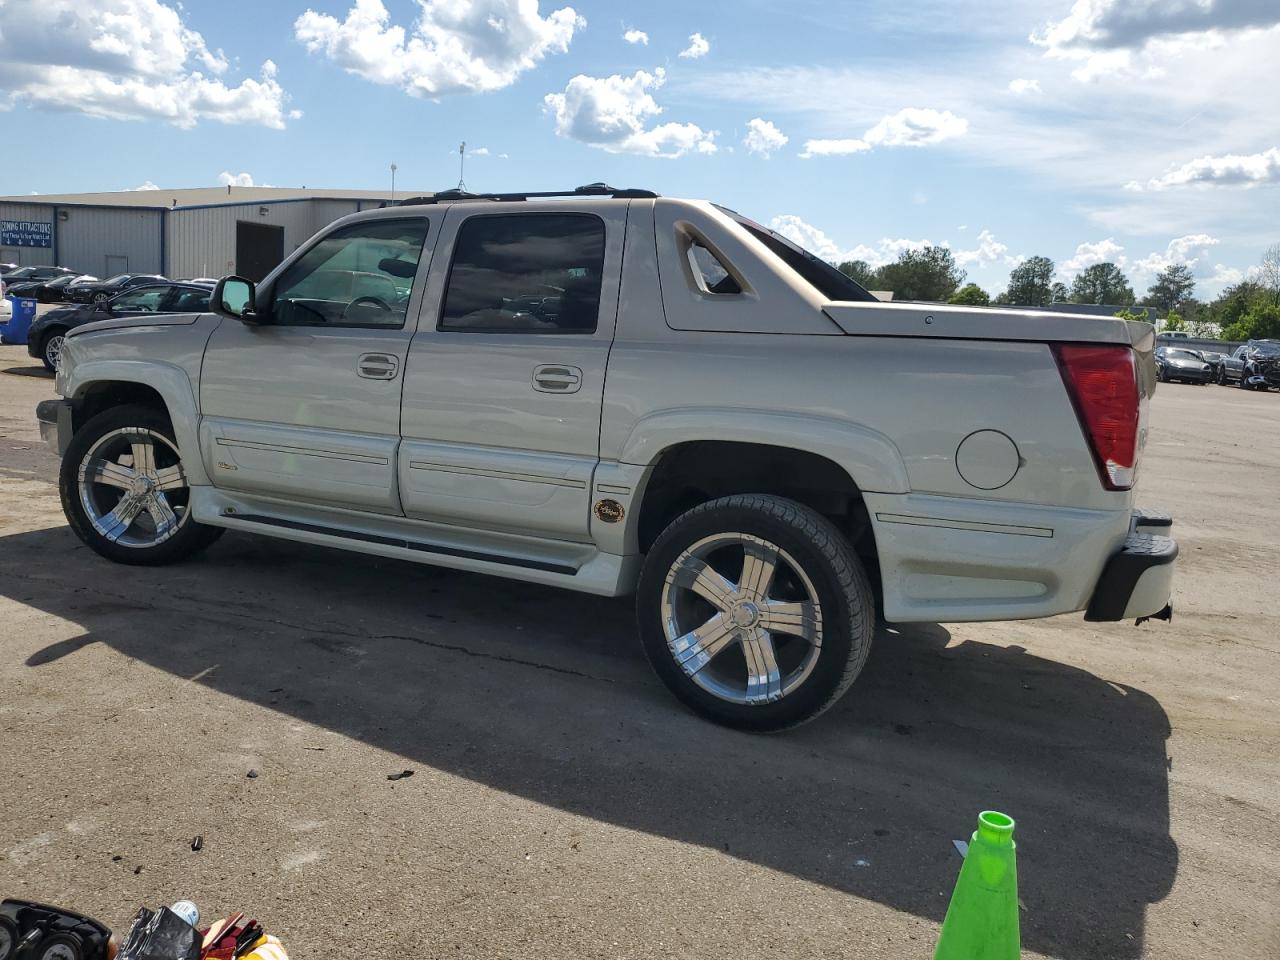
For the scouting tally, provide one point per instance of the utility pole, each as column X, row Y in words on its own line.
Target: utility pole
column 462, row 159
column 393, row 184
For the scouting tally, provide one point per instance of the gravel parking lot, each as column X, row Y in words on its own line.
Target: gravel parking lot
column 563, row 805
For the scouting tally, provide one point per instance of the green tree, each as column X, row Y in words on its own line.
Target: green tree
column 1269, row 273
column 929, row 273
column 859, row 271
column 1172, row 323
column 1059, row 292
column 970, row 294
column 1031, row 283
column 1172, row 287
column 1102, row 283
column 1235, row 301
column 1260, row 323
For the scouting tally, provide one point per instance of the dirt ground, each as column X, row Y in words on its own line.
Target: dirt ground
column 562, row 805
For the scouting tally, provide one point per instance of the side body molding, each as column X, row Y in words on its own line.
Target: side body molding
column 869, row 457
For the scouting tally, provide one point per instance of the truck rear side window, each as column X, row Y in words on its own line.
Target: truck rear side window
column 526, row 273
column 707, row 266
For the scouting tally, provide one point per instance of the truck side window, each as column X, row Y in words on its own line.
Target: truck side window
column 358, row 276
column 706, row 265
column 526, row 273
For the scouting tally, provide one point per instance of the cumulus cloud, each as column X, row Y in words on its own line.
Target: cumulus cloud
column 612, row 112
column 147, row 185
column 228, row 179
column 454, row 47
column 909, row 127
column 127, row 60
column 478, row 152
column 1187, row 250
column 988, row 251
column 1020, row 86
column 1106, row 36
column 1087, row 254
column 636, row 36
column 1229, row 170
column 698, row 47
column 820, row 244
column 763, row 137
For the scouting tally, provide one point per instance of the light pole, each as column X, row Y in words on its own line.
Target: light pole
column 462, row 159
column 393, row 184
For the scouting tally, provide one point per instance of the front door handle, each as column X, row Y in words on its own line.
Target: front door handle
column 378, row 366
column 554, row 378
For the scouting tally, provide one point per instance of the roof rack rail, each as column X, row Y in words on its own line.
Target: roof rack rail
column 587, row 190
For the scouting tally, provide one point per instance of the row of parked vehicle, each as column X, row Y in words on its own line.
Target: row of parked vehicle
column 86, row 299
column 1251, row 366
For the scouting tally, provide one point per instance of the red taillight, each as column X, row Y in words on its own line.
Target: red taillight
column 1103, row 383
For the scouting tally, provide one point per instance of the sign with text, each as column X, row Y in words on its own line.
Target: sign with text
column 25, row 233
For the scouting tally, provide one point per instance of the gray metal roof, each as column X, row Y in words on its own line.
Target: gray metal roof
column 201, row 196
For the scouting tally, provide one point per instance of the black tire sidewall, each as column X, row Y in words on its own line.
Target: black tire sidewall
column 817, row 692
column 44, row 347
column 190, row 537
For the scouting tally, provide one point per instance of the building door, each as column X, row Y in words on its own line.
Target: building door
column 116, row 265
column 259, row 249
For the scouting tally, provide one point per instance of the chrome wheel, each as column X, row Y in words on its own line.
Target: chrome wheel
column 741, row 618
column 53, row 350
column 132, row 487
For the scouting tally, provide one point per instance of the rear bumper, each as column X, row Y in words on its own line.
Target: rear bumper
column 1137, row 581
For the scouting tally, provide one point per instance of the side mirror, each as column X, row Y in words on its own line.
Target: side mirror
column 233, row 297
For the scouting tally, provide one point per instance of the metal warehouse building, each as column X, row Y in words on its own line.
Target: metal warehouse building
column 203, row 232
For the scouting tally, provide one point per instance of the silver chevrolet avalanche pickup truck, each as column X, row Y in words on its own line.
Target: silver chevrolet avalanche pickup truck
column 616, row 392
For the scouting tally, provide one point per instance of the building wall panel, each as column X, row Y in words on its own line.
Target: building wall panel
column 106, row 241
column 202, row 240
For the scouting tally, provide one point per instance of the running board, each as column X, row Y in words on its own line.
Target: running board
column 404, row 544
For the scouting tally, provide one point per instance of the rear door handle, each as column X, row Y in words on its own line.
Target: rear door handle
column 554, row 378
column 378, row 366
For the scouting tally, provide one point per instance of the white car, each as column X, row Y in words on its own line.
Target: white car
column 614, row 392
column 6, row 308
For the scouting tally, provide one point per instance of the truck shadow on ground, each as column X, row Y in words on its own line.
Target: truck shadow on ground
column 545, row 694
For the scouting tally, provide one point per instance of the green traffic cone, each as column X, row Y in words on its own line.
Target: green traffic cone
column 982, row 920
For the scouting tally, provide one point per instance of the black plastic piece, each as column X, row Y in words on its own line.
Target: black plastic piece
column 30, row 929
column 1122, row 573
column 587, row 190
column 160, row 935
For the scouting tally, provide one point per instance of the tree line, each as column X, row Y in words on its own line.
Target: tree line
column 1249, row 309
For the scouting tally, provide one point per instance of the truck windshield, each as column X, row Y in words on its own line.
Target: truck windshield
column 829, row 281
column 1266, row 348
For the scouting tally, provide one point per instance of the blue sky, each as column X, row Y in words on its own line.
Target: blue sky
column 1137, row 131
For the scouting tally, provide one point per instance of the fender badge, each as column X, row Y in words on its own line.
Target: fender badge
column 225, row 466
column 610, row 511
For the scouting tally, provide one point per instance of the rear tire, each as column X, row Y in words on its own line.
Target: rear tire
column 755, row 611
column 135, row 512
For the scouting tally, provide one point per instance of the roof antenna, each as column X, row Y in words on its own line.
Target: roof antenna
column 462, row 159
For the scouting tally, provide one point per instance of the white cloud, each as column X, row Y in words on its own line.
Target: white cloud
column 126, row 60
column 1230, row 170
column 454, row 47
column 1087, row 254
column 478, row 152
column 1021, row 86
column 988, row 251
column 611, row 113
column 228, row 179
column 909, row 127
column 1110, row 37
column 698, row 47
column 147, row 185
column 763, row 137
column 833, row 148
column 1187, row 250
column 636, row 36
column 818, row 243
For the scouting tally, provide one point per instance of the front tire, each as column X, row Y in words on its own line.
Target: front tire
column 99, row 298
column 755, row 611
column 51, row 349
column 124, row 490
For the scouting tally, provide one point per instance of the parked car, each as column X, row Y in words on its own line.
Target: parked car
column 774, row 459
column 1259, row 364
column 44, row 340
column 7, row 267
column 99, row 290
column 48, row 291
column 1215, row 361
column 1179, row 363
column 28, row 274
column 6, row 308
